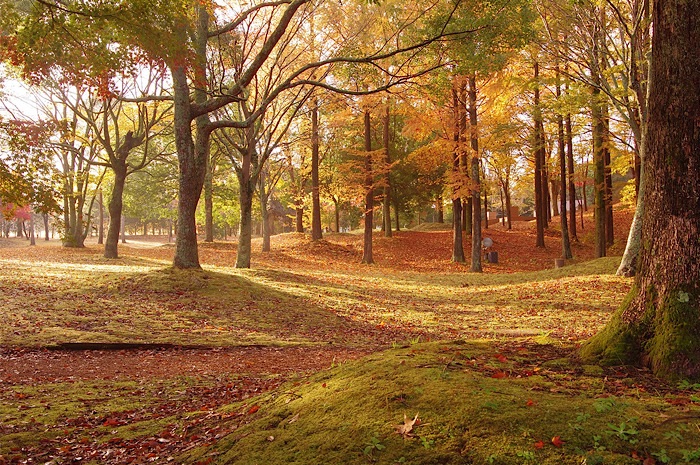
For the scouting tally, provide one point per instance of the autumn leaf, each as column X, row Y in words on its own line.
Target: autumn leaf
column 499, row 375
column 556, row 440
column 405, row 429
column 539, row 445
column 530, row 403
column 253, row 409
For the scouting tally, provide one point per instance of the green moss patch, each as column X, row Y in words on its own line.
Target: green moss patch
column 478, row 403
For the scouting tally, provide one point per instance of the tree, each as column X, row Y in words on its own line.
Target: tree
column 659, row 323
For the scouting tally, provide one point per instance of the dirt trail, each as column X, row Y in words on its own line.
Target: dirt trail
column 40, row 365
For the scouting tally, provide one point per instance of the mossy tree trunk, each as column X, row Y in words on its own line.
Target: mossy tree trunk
column 659, row 324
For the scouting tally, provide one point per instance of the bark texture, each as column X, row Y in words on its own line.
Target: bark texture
column 659, row 324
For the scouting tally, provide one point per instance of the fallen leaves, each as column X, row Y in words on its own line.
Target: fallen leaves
column 406, row 428
column 556, row 440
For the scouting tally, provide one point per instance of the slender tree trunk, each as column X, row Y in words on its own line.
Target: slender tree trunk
column 299, row 219
column 264, row 213
column 32, row 239
column 561, row 139
column 46, row 226
column 316, row 232
column 245, row 231
column 396, row 214
column 457, row 215
column 599, row 175
column 475, row 177
column 369, row 195
column 609, row 226
column 101, row 225
column 20, row 227
column 659, row 323
column 115, row 213
column 540, row 213
column 386, row 206
column 440, row 210
column 209, row 202
column 337, row 214
column 572, row 185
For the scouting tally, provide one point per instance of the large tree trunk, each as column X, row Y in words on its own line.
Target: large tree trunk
column 369, row 195
column 192, row 154
column 659, row 324
column 191, row 179
column 316, row 230
column 115, row 213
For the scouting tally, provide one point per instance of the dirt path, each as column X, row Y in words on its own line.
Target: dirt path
column 29, row 365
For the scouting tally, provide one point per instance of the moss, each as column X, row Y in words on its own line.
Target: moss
column 617, row 343
column 674, row 348
column 467, row 416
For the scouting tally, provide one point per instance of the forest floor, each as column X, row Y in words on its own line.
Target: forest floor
column 130, row 361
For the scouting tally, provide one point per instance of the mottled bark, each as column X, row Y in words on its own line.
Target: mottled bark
column 659, row 323
column 114, row 207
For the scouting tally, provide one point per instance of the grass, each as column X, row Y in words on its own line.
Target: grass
column 140, row 300
column 502, row 386
column 467, row 413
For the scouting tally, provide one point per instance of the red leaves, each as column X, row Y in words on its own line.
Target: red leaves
column 556, row 440
column 530, row 403
column 499, row 375
column 539, row 445
column 253, row 409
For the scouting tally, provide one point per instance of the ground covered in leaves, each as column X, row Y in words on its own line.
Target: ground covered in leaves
column 130, row 361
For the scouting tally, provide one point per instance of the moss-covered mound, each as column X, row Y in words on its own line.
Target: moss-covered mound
column 473, row 403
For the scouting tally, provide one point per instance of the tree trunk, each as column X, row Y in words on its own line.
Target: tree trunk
column 245, row 231
column 565, row 243
column 572, row 184
column 475, row 182
column 299, row 219
column 440, row 210
column 101, row 226
column 191, row 154
column 316, row 231
column 369, row 195
column 264, row 213
column 46, row 226
column 115, row 212
column 32, row 239
column 609, row 227
column 396, row 214
column 337, row 214
column 386, row 206
column 659, row 324
column 540, row 213
column 458, row 218
column 599, row 175
column 209, row 202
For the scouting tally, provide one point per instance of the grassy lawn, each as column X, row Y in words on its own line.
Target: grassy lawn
column 486, row 362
